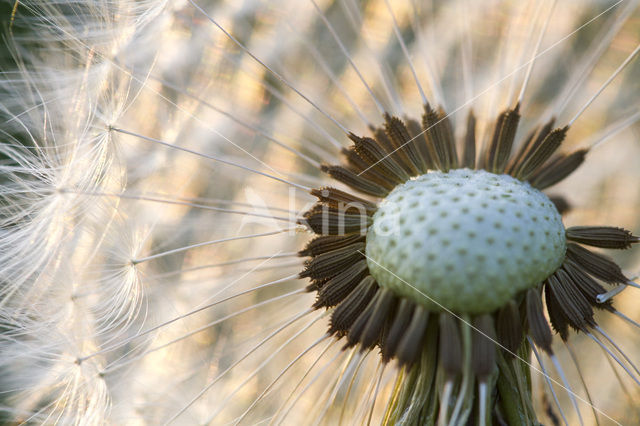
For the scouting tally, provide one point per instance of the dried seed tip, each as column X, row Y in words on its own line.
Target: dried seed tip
column 538, row 326
column 557, row 169
column 400, row 156
column 595, row 264
column 335, row 290
column 570, row 300
column 559, row 320
column 326, row 243
column 509, row 328
column 352, row 307
column 330, row 264
column 450, row 345
column 502, row 141
column 367, row 329
column 412, row 343
column 376, row 158
column 335, row 198
column 399, row 325
column 483, row 344
column 399, row 135
column 355, row 181
column 542, row 153
column 326, row 220
column 532, row 142
column 587, row 285
column 420, row 141
column 608, row 237
column 440, row 140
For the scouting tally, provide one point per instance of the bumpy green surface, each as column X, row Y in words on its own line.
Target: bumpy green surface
column 466, row 240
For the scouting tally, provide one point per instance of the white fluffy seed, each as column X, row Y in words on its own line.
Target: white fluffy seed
column 465, row 240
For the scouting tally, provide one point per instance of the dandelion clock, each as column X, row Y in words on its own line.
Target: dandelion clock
column 320, row 212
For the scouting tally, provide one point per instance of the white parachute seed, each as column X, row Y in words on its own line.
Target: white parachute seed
column 466, row 240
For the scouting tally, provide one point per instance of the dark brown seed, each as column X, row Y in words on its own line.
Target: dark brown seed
column 597, row 265
column 502, row 141
column 367, row 329
column 557, row 169
column 587, row 285
column 356, row 182
column 337, row 198
column 412, row 343
column 538, row 325
column 440, row 141
column 330, row 264
column 400, row 323
column 559, row 320
column 450, row 345
column 509, row 328
column 335, row 290
column 351, row 308
column 402, row 141
column 326, row 220
column 469, row 148
column 420, row 141
column 328, row 243
column 532, row 142
column 608, row 237
column 535, row 159
column 483, row 345
column 398, row 155
column 377, row 159
column 570, row 300
column 561, row 203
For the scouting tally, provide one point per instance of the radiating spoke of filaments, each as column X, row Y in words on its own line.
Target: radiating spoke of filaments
column 588, row 63
column 622, row 66
column 320, row 356
column 600, row 138
column 491, row 86
column 221, row 264
column 266, row 360
column 311, row 48
column 113, row 366
column 535, row 53
column 179, row 317
column 269, row 69
column 615, row 345
column 279, row 376
column 346, row 54
column 313, row 380
column 237, row 120
column 180, row 203
column 548, row 381
column 209, row 243
column 571, row 394
column 576, row 364
column 615, row 358
column 396, row 30
column 207, row 156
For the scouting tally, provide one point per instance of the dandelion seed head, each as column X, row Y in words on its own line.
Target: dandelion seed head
column 435, row 240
